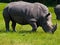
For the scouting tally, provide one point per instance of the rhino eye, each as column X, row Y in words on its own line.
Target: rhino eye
column 44, row 22
column 46, row 19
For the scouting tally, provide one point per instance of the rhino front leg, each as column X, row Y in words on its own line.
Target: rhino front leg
column 34, row 26
column 13, row 26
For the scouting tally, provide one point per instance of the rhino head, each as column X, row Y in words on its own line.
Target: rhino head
column 47, row 24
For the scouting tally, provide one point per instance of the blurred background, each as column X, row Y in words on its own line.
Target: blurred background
column 46, row 2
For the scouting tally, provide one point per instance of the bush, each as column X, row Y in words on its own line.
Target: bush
column 47, row 2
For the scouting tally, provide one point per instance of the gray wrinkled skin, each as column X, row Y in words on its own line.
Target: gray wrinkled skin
column 35, row 14
column 57, row 11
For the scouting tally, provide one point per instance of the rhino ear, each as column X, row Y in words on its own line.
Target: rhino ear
column 47, row 15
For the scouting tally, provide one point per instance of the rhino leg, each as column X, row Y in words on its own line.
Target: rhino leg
column 6, row 18
column 34, row 26
column 7, row 24
column 13, row 26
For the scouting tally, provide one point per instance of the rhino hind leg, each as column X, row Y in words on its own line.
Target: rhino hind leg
column 6, row 18
column 34, row 26
column 7, row 24
column 13, row 26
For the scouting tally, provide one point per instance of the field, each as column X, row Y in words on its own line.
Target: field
column 24, row 37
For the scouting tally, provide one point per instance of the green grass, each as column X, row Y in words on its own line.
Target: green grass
column 24, row 37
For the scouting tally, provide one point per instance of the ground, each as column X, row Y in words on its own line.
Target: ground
column 24, row 37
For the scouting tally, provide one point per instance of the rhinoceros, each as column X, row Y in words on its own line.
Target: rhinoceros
column 57, row 11
column 35, row 14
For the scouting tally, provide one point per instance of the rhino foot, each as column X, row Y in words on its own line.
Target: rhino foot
column 33, row 31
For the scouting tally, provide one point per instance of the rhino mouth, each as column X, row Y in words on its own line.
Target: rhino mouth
column 54, row 28
column 46, row 29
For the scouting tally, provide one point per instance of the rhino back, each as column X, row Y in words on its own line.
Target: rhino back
column 23, row 10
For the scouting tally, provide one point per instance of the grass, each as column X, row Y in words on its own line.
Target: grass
column 24, row 37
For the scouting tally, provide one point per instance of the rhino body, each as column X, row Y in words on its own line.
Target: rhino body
column 35, row 14
column 57, row 11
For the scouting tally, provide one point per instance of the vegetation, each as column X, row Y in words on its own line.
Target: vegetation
column 49, row 2
column 24, row 37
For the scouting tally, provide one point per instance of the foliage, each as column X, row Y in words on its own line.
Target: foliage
column 47, row 2
column 24, row 37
